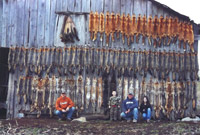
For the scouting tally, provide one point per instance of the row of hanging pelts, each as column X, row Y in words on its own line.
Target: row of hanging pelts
column 165, row 96
column 155, row 28
column 42, row 93
column 47, row 59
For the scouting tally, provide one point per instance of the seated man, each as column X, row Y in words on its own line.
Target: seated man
column 64, row 105
column 130, row 108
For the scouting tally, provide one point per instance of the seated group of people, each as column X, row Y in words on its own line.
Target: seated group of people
column 64, row 105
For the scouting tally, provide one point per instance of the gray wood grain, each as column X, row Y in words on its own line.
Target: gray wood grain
column 52, row 23
column 33, row 23
column 26, row 23
column 41, row 23
column 47, row 22
column 1, row 20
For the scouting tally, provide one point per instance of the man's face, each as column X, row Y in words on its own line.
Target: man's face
column 130, row 96
column 63, row 95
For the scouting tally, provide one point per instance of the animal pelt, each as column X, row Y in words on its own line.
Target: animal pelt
column 150, row 90
column 169, row 96
column 175, row 29
column 166, row 31
column 190, row 36
column 107, row 28
column 69, row 32
column 39, row 100
column 116, row 58
column 22, row 58
column 46, row 91
column 144, row 29
column 96, row 25
column 182, row 99
column 138, row 28
column 163, row 97
column 99, row 94
column 151, row 62
column 143, row 91
column 155, row 30
column 118, row 24
column 137, row 89
column 93, row 94
column 10, row 55
column 157, row 106
column 112, row 25
column 88, row 92
column 101, row 26
column 51, row 103
column 170, row 30
column 181, row 33
column 161, row 29
column 194, row 95
column 150, row 29
column 131, row 86
column 156, row 64
column 80, row 93
column 33, row 92
column 91, row 25
column 128, row 28
column 133, row 27
column 111, row 63
column 125, row 88
column 14, row 58
column 139, row 62
column 19, row 89
column 122, row 27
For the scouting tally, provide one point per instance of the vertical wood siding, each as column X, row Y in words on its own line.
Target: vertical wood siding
column 35, row 24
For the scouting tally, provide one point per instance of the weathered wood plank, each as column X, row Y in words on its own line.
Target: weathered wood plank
column 70, row 6
column 140, row 7
column 85, row 5
column 108, row 6
column 41, row 23
column 52, row 23
column 78, row 6
column 58, row 5
column 129, row 7
column 80, row 27
column 116, row 6
column 64, row 5
column 26, row 23
column 1, row 20
column 47, row 22
column 9, row 24
column 123, row 6
column 149, row 9
column 93, row 5
column 33, row 23
column 58, row 28
column 18, row 19
column 99, row 6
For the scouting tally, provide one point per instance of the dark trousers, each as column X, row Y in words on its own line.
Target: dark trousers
column 113, row 113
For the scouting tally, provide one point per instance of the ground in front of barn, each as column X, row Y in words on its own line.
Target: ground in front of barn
column 47, row 126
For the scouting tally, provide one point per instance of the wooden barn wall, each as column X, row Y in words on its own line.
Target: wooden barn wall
column 33, row 23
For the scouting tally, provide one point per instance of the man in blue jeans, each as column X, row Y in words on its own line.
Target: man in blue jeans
column 130, row 108
column 64, row 105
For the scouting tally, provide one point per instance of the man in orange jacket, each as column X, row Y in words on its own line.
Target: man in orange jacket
column 64, row 105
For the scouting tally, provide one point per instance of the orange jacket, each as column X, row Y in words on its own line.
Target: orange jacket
column 63, row 103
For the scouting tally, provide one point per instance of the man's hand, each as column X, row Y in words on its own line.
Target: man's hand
column 63, row 110
column 108, row 106
column 67, row 109
column 127, row 111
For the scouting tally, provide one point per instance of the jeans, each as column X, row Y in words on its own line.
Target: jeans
column 133, row 113
column 68, row 114
column 147, row 116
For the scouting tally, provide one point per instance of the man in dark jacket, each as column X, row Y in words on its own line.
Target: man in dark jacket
column 130, row 108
